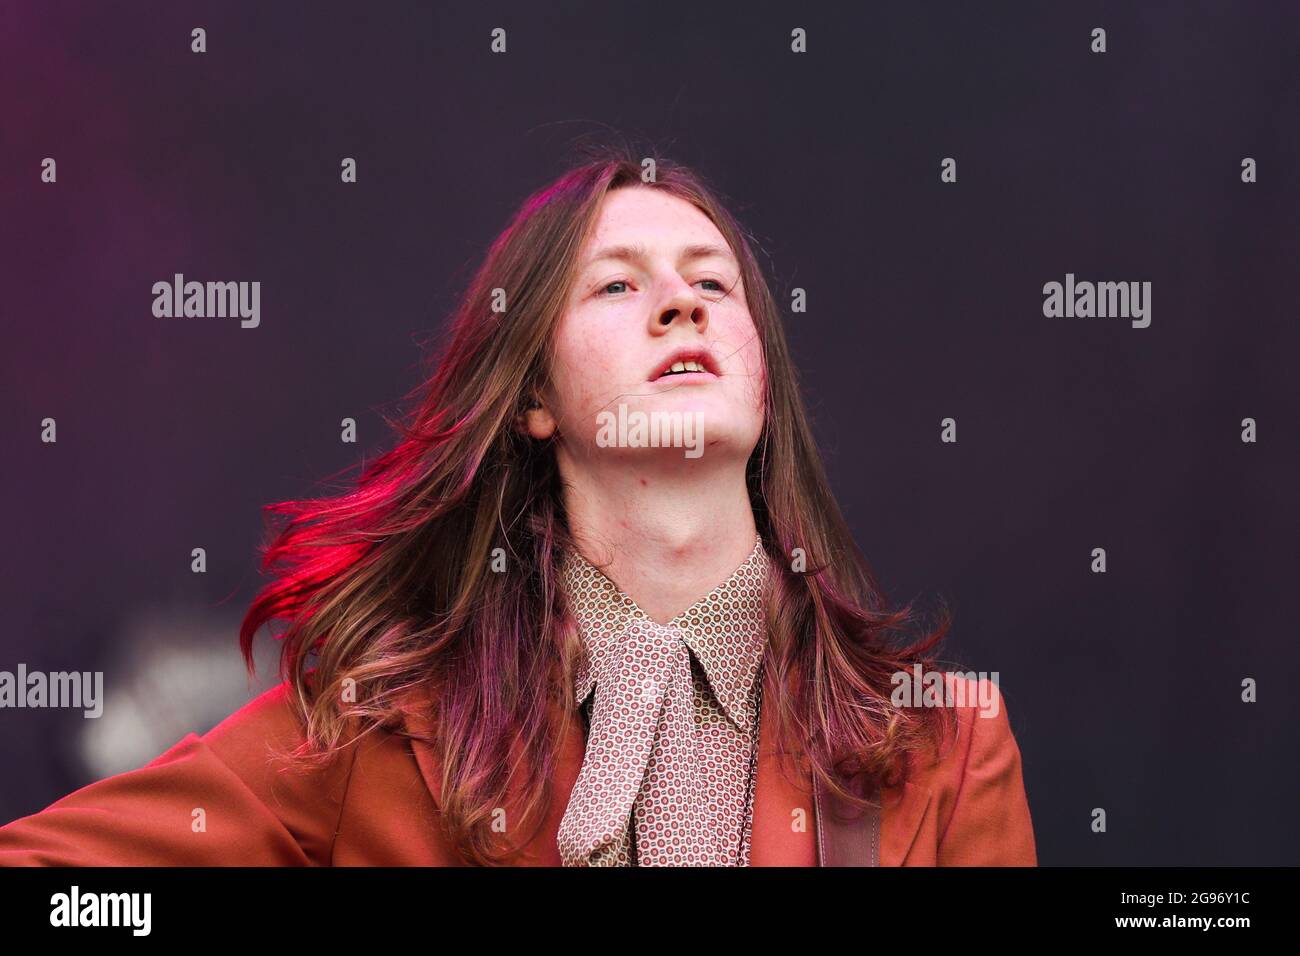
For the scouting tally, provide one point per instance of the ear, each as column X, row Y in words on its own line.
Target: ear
column 536, row 421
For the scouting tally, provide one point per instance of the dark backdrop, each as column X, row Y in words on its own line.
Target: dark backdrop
column 924, row 302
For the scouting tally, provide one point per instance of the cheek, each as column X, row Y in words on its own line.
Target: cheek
column 749, row 359
column 582, row 376
column 758, row 381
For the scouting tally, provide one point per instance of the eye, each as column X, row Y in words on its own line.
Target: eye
column 609, row 287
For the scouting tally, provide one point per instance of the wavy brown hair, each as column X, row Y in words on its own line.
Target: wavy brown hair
column 386, row 588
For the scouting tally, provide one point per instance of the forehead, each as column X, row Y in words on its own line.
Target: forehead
column 651, row 217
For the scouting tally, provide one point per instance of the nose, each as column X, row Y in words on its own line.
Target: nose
column 685, row 306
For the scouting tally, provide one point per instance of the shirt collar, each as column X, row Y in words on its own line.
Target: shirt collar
column 726, row 630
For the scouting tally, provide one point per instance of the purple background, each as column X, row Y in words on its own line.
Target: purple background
column 924, row 299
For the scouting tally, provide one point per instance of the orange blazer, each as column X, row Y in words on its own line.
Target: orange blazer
column 216, row 800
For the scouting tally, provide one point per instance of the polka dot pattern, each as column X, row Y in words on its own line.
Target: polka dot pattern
column 669, row 770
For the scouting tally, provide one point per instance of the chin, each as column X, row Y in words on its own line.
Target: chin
column 693, row 426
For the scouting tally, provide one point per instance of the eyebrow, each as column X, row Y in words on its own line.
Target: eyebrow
column 637, row 252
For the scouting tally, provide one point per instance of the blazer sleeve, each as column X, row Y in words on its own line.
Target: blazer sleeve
column 990, row 824
column 213, row 800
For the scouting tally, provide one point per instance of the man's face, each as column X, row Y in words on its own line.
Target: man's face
column 657, row 288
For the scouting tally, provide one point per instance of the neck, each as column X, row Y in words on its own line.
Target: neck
column 666, row 538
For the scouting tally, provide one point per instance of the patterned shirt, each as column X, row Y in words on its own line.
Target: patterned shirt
column 668, row 775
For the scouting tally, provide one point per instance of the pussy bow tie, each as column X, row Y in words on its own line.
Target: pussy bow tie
column 640, row 762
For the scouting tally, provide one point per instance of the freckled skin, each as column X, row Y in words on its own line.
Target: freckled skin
column 613, row 332
column 668, row 542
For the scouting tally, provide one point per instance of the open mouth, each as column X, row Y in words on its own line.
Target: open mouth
column 686, row 364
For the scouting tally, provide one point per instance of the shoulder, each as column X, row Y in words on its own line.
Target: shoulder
column 222, row 798
column 261, row 743
column 981, row 711
column 269, row 719
column 976, row 779
column 976, row 727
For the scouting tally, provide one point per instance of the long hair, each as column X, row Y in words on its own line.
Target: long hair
column 388, row 588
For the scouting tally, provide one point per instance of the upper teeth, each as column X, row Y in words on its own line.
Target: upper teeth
column 686, row 367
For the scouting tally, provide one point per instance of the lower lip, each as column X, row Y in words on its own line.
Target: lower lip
column 687, row 377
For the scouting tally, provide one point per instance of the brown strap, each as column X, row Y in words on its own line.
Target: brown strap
column 846, row 835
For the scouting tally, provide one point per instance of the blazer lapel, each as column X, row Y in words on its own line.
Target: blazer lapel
column 785, row 820
column 900, row 818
